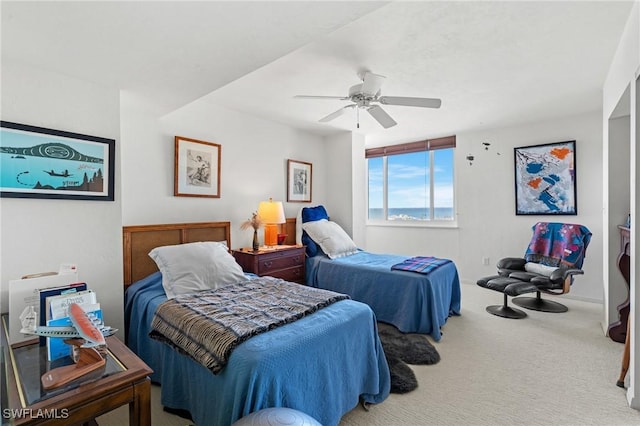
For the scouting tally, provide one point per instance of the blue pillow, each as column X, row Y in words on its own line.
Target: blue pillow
column 310, row 246
column 311, row 214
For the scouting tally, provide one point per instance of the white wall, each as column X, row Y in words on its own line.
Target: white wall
column 37, row 234
column 485, row 211
column 339, row 179
column 253, row 165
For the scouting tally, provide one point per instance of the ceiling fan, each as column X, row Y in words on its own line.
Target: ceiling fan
column 367, row 94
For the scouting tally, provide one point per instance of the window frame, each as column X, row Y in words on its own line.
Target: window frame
column 429, row 145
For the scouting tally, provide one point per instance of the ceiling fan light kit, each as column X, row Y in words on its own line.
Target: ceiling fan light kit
column 365, row 94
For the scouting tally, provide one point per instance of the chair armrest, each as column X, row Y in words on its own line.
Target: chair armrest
column 562, row 274
column 513, row 263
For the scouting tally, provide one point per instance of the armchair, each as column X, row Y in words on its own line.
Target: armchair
column 554, row 255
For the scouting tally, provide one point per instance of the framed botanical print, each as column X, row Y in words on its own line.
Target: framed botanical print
column 299, row 181
column 196, row 168
column 545, row 179
column 36, row 162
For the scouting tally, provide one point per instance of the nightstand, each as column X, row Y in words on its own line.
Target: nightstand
column 24, row 402
column 286, row 262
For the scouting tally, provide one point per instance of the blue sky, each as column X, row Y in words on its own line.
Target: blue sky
column 408, row 180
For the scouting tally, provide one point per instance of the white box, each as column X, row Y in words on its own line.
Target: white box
column 25, row 292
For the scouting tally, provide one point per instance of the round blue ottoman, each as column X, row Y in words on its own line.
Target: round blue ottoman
column 280, row 416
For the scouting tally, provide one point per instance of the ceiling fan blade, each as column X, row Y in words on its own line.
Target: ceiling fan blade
column 336, row 114
column 414, row 102
column 371, row 83
column 342, row 98
column 381, row 116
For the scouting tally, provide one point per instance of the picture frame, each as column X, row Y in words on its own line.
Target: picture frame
column 38, row 162
column 299, row 181
column 545, row 179
column 196, row 168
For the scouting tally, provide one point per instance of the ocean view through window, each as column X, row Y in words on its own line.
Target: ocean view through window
column 411, row 182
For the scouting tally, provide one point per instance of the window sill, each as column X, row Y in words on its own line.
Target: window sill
column 441, row 224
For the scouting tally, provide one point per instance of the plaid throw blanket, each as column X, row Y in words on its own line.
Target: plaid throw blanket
column 420, row 264
column 208, row 325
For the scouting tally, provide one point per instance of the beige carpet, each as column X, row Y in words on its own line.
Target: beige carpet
column 546, row 369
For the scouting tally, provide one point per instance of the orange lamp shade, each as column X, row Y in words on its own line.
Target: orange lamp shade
column 272, row 213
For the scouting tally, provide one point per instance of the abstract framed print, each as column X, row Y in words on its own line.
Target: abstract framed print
column 545, row 179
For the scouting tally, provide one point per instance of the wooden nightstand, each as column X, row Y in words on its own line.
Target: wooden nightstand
column 286, row 262
column 24, row 402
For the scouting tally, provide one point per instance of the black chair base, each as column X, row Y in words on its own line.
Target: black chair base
column 506, row 311
column 539, row 304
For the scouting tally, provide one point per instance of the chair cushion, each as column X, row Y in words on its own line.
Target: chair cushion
column 520, row 287
column 497, row 283
column 523, row 276
column 515, row 263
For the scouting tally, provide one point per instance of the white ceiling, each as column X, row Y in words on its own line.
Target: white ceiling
column 492, row 63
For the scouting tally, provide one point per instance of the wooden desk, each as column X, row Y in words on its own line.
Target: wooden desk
column 24, row 402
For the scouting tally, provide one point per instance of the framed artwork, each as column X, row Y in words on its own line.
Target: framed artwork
column 298, row 181
column 36, row 162
column 196, row 168
column 545, row 177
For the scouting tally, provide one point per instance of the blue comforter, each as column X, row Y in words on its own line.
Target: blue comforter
column 413, row 302
column 321, row 364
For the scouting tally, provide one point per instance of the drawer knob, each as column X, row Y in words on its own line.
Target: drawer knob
column 268, row 264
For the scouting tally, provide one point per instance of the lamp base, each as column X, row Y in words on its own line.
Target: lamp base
column 270, row 234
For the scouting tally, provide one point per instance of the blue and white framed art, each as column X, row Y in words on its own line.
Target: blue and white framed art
column 36, row 162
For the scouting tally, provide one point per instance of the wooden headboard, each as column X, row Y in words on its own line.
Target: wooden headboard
column 138, row 241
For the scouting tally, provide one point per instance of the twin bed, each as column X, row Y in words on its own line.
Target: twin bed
column 323, row 364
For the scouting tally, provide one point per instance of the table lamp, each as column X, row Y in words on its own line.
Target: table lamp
column 272, row 213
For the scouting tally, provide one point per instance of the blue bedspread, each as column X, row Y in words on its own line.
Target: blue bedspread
column 414, row 303
column 318, row 365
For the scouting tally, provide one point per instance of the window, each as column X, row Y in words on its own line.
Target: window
column 412, row 182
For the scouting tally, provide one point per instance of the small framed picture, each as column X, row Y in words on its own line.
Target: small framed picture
column 196, row 168
column 36, row 162
column 299, row 181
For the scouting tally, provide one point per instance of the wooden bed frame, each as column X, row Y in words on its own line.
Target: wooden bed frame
column 138, row 241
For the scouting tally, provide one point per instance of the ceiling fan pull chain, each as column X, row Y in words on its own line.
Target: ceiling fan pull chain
column 357, row 117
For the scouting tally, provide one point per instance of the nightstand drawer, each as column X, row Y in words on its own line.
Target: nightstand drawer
column 292, row 274
column 270, row 263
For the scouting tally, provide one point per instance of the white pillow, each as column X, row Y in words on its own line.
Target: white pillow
column 187, row 268
column 331, row 238
column 538, row 268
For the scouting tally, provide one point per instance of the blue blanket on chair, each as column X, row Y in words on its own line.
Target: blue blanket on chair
column 558, row 244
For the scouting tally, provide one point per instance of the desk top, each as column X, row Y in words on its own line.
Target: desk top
column 26, row 362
